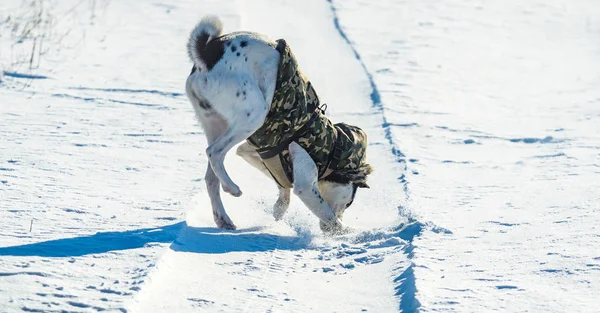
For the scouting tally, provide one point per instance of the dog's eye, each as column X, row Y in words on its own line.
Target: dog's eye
column 354, row 188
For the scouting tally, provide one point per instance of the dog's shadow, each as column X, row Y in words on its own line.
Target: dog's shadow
column 212, row 240
column 181, row 236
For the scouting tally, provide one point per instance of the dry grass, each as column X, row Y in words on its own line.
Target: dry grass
column 39, row 27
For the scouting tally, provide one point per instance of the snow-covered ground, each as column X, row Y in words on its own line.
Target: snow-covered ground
column 483, row 123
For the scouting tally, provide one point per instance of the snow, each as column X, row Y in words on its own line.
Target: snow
column 498, row 112
column 483, row 127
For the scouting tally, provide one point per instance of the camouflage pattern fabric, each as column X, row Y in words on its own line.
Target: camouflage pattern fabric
column 295, row 115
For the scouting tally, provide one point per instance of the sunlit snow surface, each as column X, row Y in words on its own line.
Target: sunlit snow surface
column 484, row 131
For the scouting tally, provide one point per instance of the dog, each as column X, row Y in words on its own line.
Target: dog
column 246, row 88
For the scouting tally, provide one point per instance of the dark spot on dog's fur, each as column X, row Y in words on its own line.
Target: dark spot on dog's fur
column 210, row 52
column 237, row 94
column 233, row 48
column 248, row 114
column 244, row 92
column 246, row 59
column 243, row 43
column 205, row 105
column 210, row 155
column 238, row 54
column 228, row 43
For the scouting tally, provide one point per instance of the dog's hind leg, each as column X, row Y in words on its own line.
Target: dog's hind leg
column 219, row 215
column 245, row 112
column 306, row 188
column 214, row 126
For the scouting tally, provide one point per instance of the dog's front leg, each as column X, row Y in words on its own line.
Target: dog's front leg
column 305, row 187
column 282, row 203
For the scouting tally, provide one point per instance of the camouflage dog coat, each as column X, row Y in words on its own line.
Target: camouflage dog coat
column 339, row 150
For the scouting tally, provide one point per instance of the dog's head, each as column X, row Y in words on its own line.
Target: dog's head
column 340, row 196
column 339, row 189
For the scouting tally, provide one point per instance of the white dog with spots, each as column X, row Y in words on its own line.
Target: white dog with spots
column 224, row 66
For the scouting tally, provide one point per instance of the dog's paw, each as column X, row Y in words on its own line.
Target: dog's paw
column 224, row 222
column 335, row 229
column 233, row 190
column 279, row 209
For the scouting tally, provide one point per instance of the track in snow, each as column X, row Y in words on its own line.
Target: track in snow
column 405, row 280
column 294, row 269
column 494, row 103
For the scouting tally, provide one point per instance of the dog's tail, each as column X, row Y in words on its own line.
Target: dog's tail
column 208, row 28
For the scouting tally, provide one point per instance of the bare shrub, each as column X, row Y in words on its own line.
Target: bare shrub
column 38, row 27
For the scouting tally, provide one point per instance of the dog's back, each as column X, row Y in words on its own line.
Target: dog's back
column 226, row 59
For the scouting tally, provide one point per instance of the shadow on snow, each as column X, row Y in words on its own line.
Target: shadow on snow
column 210, row 240
column 101, row 242
column 183, row 238
column 213, row 240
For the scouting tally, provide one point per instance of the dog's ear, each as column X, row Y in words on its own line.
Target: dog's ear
column 362, row 184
